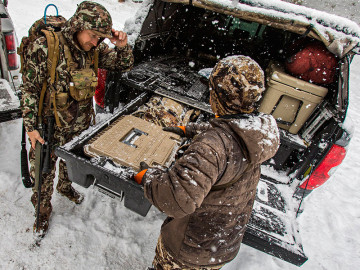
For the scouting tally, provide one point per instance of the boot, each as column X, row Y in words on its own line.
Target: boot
column 71, row 194
column 44, row 214
column 43, row 225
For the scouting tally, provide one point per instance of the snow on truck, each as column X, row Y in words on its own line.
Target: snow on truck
column 306, row 56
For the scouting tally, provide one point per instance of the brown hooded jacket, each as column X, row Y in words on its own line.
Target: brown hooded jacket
column 206, row 227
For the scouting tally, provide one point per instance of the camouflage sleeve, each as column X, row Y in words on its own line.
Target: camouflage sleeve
column 115, row 59
column 33, row 76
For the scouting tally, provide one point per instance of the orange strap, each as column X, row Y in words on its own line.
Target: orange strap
column 138, row 178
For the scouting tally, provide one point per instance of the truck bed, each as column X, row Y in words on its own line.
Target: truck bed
column 273, row 227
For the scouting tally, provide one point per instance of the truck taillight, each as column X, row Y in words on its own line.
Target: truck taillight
column 323, row 172
column 10, row 41
column 11, row 50
column 13, row 61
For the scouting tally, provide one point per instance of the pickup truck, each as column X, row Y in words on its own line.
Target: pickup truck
column 176, row 41
column 9, row 68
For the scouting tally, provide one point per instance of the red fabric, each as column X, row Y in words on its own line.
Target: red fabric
column 100, row 88
column 314, row 63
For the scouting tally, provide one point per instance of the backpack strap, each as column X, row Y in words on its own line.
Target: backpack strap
column 96, row 61
column 20, row 51
column 68, row 57
column 53, row 53
column 52, row 61
column 42, row 95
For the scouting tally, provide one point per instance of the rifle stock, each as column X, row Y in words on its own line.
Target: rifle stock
column 38, row 173
column 43, row 159
column 112, row 90
column 25, row 176
column 48, row 145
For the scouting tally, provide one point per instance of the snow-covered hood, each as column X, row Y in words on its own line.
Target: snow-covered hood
column 259, row 133
column 340, row 35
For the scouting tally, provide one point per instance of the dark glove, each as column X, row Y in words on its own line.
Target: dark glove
column 143, row 169
column 179, row 130
column 143, row 166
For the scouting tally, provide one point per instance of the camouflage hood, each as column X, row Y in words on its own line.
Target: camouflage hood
column 88, row 16
column 236, row 84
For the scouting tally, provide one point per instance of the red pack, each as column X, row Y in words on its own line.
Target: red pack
column 100, row 88
column 314, row 63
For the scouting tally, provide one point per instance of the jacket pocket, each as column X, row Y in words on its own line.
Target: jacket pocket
column 83, row 84
column 62, row 101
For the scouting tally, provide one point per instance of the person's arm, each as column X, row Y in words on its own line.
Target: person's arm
column 193, row 129
column 190, row 130
column 119, row 58
column 33, row 76
column 182, row 189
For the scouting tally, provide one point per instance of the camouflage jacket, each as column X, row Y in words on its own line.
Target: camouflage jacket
column 76, row 117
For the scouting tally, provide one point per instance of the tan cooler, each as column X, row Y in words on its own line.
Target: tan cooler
column 290, row 100
column 130, row 140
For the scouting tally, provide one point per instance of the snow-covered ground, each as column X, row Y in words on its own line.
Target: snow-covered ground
column 102, row 234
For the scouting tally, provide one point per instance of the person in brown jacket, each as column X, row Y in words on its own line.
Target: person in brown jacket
column 208, row 194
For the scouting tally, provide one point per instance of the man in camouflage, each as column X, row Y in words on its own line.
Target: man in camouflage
column 82, row 34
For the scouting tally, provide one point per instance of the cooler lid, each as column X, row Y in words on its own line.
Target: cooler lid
column 276, row 73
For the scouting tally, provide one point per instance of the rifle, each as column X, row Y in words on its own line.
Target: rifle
column 43, row 158
column 25, row 176
column 48, row 144
column 112, row 90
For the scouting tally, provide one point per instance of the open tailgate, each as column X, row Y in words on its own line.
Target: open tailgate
column 9, row 102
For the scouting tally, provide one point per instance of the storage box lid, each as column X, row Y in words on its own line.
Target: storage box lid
column 130, row 140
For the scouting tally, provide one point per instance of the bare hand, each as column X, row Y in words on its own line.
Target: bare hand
column 119, row 38
column 35, row 136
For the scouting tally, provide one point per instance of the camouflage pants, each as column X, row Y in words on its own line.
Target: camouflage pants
column 61, row 136
column 48, row 183
column 164, row 261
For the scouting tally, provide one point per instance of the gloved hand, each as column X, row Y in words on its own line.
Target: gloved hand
column 143, row 166
column 179, row 130
column 143, row 169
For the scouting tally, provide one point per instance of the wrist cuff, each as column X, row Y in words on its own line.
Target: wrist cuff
column 138, row 178
column 183, row 128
